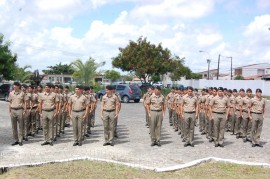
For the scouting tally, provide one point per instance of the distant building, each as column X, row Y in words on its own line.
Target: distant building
column 260, row 71
column 212, row 74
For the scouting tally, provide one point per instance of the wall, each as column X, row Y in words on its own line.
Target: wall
column 229, row 84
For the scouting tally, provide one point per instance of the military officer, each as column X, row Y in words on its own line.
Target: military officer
column 39, row 122
column 232, row 114
column 33, row 110
column 246, row 123
column 168, row 104
column 156, row 110
column 48, row 110
column 189, row 113
column 238, row 116
column 119, row 108
column 146, row 97
column 211, row 121
column 66, row 117
column 201, row 103
column 256, row 111
column 17, row 107
column 78, row 111
column 219, row 111
column 26, row 116
column 93, row 111
column 109, row 113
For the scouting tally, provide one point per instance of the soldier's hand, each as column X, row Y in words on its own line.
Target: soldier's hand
column 149, row 114
column 84, row 117
column 101, row 117
column 116, row 115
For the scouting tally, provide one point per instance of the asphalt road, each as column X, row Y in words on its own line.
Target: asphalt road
column 132, row 146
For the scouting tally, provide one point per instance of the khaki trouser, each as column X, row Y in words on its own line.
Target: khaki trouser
column 238, row 121
column 170, row 115
column 155, row 125
column 256, row 129
column 202, row 120
column 146, row 116
column 57, row 123
column 189, row 119
column 77, row 124
column 246, row 125
column 232, row 120
column 109, row 123
column 17, row 118
column 219, row 127
column 182, row 126
column 33, row 121
column 211, row 128
column 207, row 119
column 27, row 123
column 174, row 119
column 92, row 119
column 63, row 120
column 38, row 122
column 48, row 125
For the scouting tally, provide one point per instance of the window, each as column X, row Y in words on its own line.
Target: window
column 120, row 87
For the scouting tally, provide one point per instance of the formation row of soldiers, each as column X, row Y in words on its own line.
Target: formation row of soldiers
column 217, row 109
column 32, row 109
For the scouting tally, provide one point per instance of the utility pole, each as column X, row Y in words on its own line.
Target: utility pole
column 208, row 74
column 218, row 66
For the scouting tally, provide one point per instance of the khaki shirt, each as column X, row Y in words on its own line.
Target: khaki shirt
column 118, row 96
column 156, row 102
column 109, row 102
column 257, row 105
column 237, row 102
column 189, row 103
column 202, row 100
column 168, row 98
column 232, row 100
column 146, row 96
column 34, row 100
column 219, row 104
column 244, row 103
column 79, row 103
column 48, row 100
column 27, row 99
column 208, row 99
column 16, row 99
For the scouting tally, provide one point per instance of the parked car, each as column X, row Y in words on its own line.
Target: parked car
column 127, row 92
column 144, row 86
column 5, row 89
column 160, row 84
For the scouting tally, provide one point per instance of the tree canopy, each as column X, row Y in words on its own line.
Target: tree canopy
column 59, row 69
column 85, row 72
column 112, row 75
column 7, row 60
column 144, row 58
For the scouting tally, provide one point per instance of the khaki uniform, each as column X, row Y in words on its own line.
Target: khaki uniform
column 26, row 117
column 146, row 97
column 78, row 106
column 189, row 105
column 219, row 106
column 93, row 113
column 49, row 102
column 238, row 117
column 246, row 123
column 180, row 124
column 88, row 123
column 174, row 117
column 231, row 120
column 257, row 107
column 202, row 115
column 66, row 117
column 210, row 121
column 116, row 121
column 34, row 113
column 39, row 120
column 57, row 121
column 16, row 100
column 168, row 101
column 156, row 105
column 109, row 104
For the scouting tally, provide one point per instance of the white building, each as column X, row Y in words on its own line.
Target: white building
column 253, row 72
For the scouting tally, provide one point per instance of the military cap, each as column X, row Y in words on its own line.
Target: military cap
column 109, row 87
column 195, row 89
column 258, row 90
column 189, row 88
column 40, row 86
column 91, row 87
column 225, row 89
column 249, row 90
column 86, row 88
column 158, row 87
column 229, row 90
column 79, row 86
column 214, row 88
column 48, row 84
column 56, row 86
column 67, row 87
column 60, row 86
column 234, row 90
column 24, row 85
column 52, row 86
column 220, row 88
column 242, row 90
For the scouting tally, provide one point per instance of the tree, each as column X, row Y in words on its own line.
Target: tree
column 36, row 77
column 128, row 77
column 178, row 69
column 143, row 58
column 112, row 75
column 59, row 69
column 22, row 75
column 85, row 72
column 7, row 60
column 239, row 77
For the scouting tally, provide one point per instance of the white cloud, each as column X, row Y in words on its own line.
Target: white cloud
column 204, row 40
column 2, row 2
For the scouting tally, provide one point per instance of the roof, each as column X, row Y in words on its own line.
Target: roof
column 252, row 65
column 252, row 77
column 207, row 71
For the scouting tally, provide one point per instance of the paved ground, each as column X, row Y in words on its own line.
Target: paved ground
column 133, row 145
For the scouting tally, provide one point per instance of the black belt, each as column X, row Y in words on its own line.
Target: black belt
column 78, row 110
column 244, row 111
column 48, row 110
column 256, row 112
column 156, row 110
column 189, row 112
column 109, row 110
column 237, row 109
column 219, row 112
column 16, row 108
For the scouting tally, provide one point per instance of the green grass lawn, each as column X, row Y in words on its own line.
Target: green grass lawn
column 101, row 170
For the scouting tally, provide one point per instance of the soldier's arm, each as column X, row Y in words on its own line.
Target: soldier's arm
column 86, row 111
column 101, row 108
column 197, row 110
column 228, row 110
column 249, row 113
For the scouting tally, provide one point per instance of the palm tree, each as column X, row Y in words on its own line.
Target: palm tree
column 85, row 72
column 22, row 75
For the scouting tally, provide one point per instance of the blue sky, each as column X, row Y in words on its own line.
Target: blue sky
column 47, row 32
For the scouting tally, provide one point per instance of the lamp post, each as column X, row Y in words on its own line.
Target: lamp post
column 208, row 62
column 231, row 66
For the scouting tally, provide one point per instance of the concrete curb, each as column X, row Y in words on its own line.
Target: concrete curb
column 4, row 169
